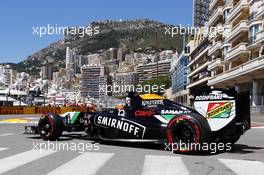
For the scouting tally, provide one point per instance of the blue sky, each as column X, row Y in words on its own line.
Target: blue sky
column 17, row 19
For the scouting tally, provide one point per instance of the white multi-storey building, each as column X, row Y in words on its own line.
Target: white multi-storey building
column 237, row 59
column 69, row 58
column 6, row 75
column 92, row 77
column 126, row 81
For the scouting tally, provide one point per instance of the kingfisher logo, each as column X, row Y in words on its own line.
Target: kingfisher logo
column 219, row 109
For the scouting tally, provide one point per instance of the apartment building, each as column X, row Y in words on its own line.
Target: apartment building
column 237, row 58
column 69, row 59
column 6, row 75
column 198, row 75
column 152, row 70
column 46, row 72
column 92, row 77
column 179, row 73
column 200, row 12
column 126, row 81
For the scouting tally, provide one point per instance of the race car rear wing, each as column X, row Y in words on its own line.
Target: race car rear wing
column 221, row 107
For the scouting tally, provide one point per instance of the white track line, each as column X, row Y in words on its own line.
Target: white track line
column 244, row 167
column 257, row 127
column 8, row 134
column 157, row 165
column 2, row 149
column 86, row 163
column 15, row 161
column 257, row 123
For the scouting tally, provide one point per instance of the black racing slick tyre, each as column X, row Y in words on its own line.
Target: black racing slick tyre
column 50, row 126
column 188, row 133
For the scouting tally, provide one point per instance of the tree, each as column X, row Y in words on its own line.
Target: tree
column 159, row 81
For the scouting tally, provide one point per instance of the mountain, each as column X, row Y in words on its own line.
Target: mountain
column 131, row 34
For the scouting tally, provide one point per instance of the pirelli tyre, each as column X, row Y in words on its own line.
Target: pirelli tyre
column 50, row 126
column 188, row 133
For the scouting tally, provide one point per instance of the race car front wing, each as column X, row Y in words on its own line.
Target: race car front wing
column 31, row 130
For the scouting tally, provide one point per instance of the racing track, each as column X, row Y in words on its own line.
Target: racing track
column 17, row 157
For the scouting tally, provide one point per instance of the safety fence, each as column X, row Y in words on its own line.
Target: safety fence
column 41, row 110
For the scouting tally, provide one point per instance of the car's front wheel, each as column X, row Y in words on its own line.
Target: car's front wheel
column 50, row 126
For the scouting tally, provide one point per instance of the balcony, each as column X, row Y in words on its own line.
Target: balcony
column 216, row 46
column 239, row 29
column 240, row 74
column 214, row 64
column 201, row 79
column 260, row 11
column 216, row 34
column 227, row 6
column 199, row 55
column 200, row 68
column 218, row 14
column 238, row 51
column 237, row 9
column 215, row 3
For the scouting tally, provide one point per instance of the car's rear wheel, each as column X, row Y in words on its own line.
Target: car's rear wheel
column 188, row 133
column 50, row 126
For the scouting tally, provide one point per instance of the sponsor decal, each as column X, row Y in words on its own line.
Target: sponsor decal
column 145, row 113
column 209, row 97
column 168, row 111
column 152, row 102
column 121, row 124
column 121, row 112
column 219, row 109
column 73, row 116
column 161, row 118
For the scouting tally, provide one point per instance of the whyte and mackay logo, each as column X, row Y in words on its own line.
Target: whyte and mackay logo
column 219, row 109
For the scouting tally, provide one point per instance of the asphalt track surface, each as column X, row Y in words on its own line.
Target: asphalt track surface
column 28, row 154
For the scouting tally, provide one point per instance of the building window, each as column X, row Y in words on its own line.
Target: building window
column 225, row 50
column 226, row 13
column 187, row 49
column 253, row 30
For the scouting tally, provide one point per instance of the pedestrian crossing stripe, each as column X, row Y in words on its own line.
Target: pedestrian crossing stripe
column 157, row 165
column 15, row 161
column 86, row 163
column 2, row 149
column 7, row 134
column 90, row 163
column 244, row 167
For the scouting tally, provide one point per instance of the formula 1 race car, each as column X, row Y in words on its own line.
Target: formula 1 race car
column 218, row 116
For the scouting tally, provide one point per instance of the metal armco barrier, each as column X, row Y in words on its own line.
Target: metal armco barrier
column 5, row 110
